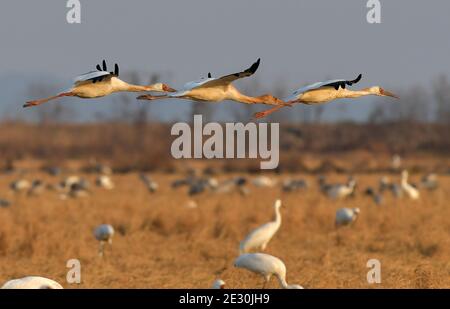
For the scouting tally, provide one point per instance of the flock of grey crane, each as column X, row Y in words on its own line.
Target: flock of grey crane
column 195, row 184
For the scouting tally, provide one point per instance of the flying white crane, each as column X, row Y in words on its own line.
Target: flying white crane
column 345, row 216
column 100, row 83
column 104, row 233
column 260, row 237
column 323, row 92
column 412, row 192
column 218, row 89
column 267, row 266
column 32, row 282
column 218, row 284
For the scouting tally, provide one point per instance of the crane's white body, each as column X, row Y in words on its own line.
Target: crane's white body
column 264, row 182
column 412, row 192
column 267, row 266
column 340, row 190
column 317, row 93
column 199, row 91
column 100, row 89
column 260, row 237
column 345, row 216
column 70, row 181
column 20, row 185
column 210, row 89
column 32, row 282
column 218, row 284
column 105, row 182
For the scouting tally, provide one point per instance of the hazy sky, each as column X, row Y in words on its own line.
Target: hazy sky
column 298, row 41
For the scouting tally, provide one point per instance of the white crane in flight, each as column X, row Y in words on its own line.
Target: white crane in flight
column 218, row 89
column 323, row 92
column 100, row 83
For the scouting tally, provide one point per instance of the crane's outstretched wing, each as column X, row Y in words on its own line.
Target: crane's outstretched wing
column 224, row 80
column 92, row 76
column 342, row 83
column 99, row 75
column 335, row 83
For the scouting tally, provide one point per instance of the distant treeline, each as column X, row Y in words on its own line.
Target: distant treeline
column 144, row 146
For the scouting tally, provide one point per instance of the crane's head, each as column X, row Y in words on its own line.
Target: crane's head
column 377, row 90
column 160, row 87
column 405, row 174
column 351, row 182
column 356, row 211
column 277, row 204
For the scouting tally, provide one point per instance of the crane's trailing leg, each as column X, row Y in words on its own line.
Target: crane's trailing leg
column 151, row 97
column 110, row 244
column 266, row 113
column 101, row 249
column 271, row 100
column 41, row 101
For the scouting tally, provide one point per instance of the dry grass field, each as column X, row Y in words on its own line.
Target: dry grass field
column 161, row 243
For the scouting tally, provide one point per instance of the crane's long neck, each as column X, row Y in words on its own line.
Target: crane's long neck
column 346, row 93
column 120, row 85
column 277, row 216
column 404, row 179
column 236, row 95
column 240, row 97
column 282, row 279
column 134, row 88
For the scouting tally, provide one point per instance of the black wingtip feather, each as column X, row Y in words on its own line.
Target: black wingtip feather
column 351, row 82
column 104, row 65
column 116, row 69
column 209, row 75
column 98, row 67
column 254, row 66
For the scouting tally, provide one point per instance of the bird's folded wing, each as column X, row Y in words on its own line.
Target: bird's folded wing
column 91, row 76
column 227, row 79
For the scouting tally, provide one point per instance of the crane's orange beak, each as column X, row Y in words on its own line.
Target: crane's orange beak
column 388, row 93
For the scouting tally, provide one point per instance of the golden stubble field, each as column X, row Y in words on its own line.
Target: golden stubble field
column 161, row 243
